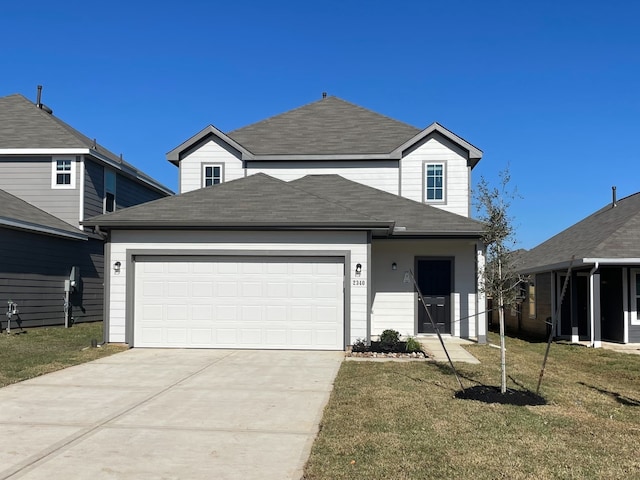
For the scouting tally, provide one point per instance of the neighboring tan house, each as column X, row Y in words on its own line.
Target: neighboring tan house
column 603, row 294
column 51, row 178
column 300, row 232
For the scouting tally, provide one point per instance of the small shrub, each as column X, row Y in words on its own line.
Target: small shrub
column 389, row 339
column 359, row 345
column 413, row 345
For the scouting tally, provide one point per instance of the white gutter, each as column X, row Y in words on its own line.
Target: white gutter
column 592, row 308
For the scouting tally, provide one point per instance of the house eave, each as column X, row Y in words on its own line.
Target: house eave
column 40, row 229
column 324, row 157
column 244, row 226
column 93, row 153
column 175, row 155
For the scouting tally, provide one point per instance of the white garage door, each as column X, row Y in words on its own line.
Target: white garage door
column 239, row 302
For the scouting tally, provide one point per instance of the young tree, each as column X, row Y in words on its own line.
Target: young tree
column 500, row 278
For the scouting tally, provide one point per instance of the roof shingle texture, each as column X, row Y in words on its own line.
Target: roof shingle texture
column 327, row 127
column 14, row 208
column 611, row 232
column 313, row 201
column 24, row 125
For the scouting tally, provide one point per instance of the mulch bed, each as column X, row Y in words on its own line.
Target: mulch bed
column 379, row 350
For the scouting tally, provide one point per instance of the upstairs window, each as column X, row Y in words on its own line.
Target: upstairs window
column 212, row 175
column 109, row 191
column 434, row 182
column 63, row 174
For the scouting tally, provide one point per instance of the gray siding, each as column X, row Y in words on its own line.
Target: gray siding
column 129, row 193
column 32, row 273
column 93, row 189
column 634, row 333
column 29, row 178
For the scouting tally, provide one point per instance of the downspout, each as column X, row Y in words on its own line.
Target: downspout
column 591, row 303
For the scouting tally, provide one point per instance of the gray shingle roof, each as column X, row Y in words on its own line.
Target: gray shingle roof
column 409, row 217
column 25, row 126
column 16, row 213
column 317, row 201
column 328, row 126
column 609, row 233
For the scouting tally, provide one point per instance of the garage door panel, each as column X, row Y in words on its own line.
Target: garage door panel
column 240, row 303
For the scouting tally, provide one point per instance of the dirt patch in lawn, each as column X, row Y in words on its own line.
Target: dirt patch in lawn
column 490, row 394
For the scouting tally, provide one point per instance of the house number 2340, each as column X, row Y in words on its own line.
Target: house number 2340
column 359, row 283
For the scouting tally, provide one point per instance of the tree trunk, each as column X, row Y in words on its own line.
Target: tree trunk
column 503, row 359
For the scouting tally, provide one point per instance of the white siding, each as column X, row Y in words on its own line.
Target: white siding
column 121, row 241
column 436, row 149
column 212, row 152
column 394, row 302
column 383, row 175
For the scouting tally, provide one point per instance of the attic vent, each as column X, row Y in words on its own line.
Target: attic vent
column 324, row 94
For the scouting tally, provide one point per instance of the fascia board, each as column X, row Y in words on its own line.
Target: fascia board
column 327, row 157
column 133, row 225
column 474, row 152
column 44, row 151
column 174, row 155
column 130, row 172
column 33, row 227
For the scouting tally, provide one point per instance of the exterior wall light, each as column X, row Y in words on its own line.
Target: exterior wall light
column 358, row 269
column 394, row 266
column 116, row 267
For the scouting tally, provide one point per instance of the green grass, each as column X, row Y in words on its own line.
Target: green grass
column 37, row 351
column 401, row 420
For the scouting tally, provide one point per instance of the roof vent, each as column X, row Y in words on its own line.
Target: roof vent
column 39, row 103
column 614, row 201
column 324, row 94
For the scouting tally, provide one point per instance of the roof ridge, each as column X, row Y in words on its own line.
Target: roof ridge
column 330, row 97
column 389, row 194
column 332, row 201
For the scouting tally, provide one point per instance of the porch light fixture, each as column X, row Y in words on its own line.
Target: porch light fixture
column 358, row 269
column 116, row 267
column 394, row 266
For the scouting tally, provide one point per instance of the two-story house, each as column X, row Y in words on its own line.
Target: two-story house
column 52, row 177
column 302, row 231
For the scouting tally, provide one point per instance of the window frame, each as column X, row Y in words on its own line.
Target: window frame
column 532, row 299
column 425, row 168
column 204, row 176
column 55, row 172
column 108, row 190
column 635, row 273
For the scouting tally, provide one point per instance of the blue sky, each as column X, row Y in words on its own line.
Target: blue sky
column 551, row 89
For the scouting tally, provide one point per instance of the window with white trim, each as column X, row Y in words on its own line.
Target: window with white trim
column 109, row 191
column 635, row 297
column 63, row 173
column 212, row 175
column 434, row 176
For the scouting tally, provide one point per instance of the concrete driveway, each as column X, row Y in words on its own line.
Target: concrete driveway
column 168, row 414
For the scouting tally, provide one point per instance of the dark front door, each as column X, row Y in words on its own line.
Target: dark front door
column 435, row 280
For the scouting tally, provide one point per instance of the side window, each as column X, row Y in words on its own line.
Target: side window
column 532, row 300
column 63, row 173
column 212, row 174
column 434, row 182
column 109, row 191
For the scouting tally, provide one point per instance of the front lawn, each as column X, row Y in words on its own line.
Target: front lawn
column 397, row 420
column 37, row 351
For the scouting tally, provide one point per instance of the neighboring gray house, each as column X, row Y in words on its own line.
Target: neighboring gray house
column 603, row 298
column 299, row 232
column 66, row 177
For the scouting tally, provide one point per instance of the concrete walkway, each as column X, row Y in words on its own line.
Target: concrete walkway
column 170, row 414
column 432, row 347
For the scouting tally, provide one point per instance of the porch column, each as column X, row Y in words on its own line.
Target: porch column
column 481, row 299
column 595, row 313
